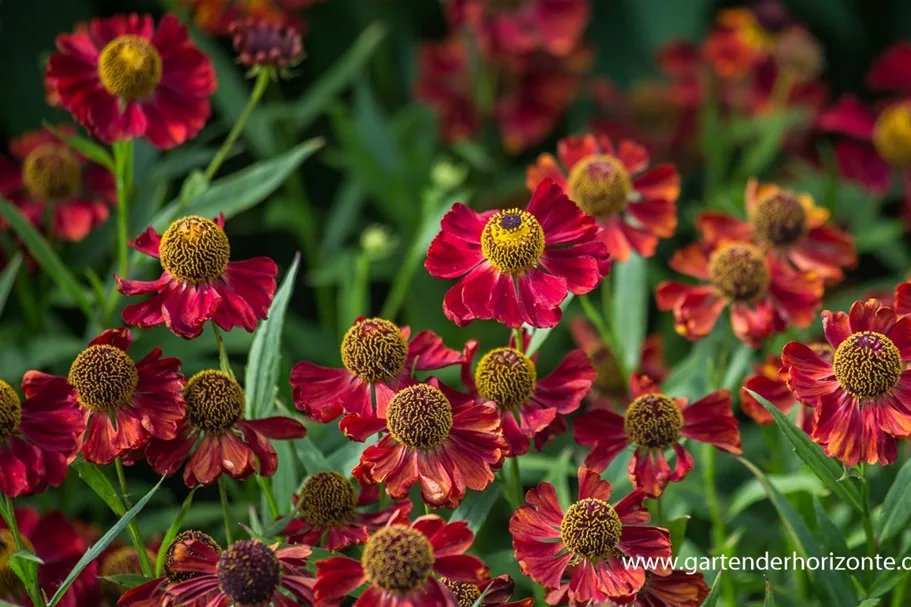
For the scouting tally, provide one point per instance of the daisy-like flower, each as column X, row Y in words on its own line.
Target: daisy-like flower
column 591, row 536
column 124, row 403
column 226, row 441
column 498, row 593
column 677, row 589
column 654, row 423
column 47, row 179
column 431, row 435
column 261, row 44
column 526, row 404
column 634, row 205
column 333, row 515
column 199, row 282
column 517, row 266
column 378, row 358
column 39, row 437
column 862, row 395
column 247, row 573
column 399, row 563
column 123, row 78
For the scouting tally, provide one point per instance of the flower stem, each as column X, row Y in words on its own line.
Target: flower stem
column 225, row 510
column 516, row 480
column 141, row 550
column 9, row 515
column 868, row 513
column 262, row 81
column 266, row 487
column 716, row 515
column 123, row 175
column 223, row 359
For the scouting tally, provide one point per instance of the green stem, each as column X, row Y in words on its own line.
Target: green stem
column 123, row 165
column 716, row 515
column 659, row 515
column 223, row 359
column 262, row 82
column 399, row 289
column 266, row 487
column 133, row 528
column 517, row 337
column 516, row 480
column 868, row 513
column 225, row 509
column 31, row 586
column 898, row 595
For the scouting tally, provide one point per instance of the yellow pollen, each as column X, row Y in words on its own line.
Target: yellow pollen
column 327, row 499
column 374, row 350
column 591, row 529
column 104, row 378
column 740, row 272
column 195, row 250
column 215, row 401
column 507, row 377
column 892, row 135
column 10, row 411
column 512, row 240
column 600, row 185
column 868, row 365
column 466, row 594
column 51, row 172
column 419, row 417
column 653, row 420
column 185, row 536
column 129, row 67
column 398, row 559
column 10, row 584
column 780, row 220
column 249, row 573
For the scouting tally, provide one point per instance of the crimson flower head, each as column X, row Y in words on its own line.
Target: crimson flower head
column 199, row 282
column 46, row 178
column 229, row 443
column 677, row 589
column 517, row 265
column 124, row 403
column 378, row 357
column 123, row 78
column 634, row 205
column 654, row 423
column 862, row 395
column 591, row 537
column 497, row 592
column 260, row 43
column 399, row 562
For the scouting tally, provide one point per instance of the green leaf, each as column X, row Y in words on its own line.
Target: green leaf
column 761, row 152
column 828, row 470
column 94, row 477
column 95, row 551
column 769, row 597
column 712, row 599
column 475, row 508
column 8, row 277
column 127, row 580
column 172, row 532
column 897, row 506
column 25, row 565
column 886, row 581
column 194, row 185
column 677, row 527
column 630, row 308
column 311, row 457
column 737, row 368
column 480, row 601
column 752, row 491
column 833, row 540
column 869, row 603
column 87, row 147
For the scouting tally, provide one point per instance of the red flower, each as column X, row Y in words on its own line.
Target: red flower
column 46, row 178
column 653, row 423
column 248, row 572
column 634, row 206
column 902, row 299
column 216, row 16
column 518, row 266
column 199, row 282
column 378, row 358
column 498, row 592
column 862, row 395
column 329, row 510
column 399, row 562
column 444, row 82
column 123, row 78
column 124, row 403
column 592, row 536
column 434, row 436
column 526, row 404
column 677, row 589
column 260, row 43
column 228, row 442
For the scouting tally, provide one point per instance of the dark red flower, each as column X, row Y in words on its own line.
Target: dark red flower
column 862, row 395
column 498, row 593
column 123, row 78
column 677, row 589
column 654, row 423
column 124, row 403
column 261, row 43
column 226, row 441
column 445, row 83
column 199, row 282
column 399, row 561
column 517, row 265
column 216, row 16
column 378, row 358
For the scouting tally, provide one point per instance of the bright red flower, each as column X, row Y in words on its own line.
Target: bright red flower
column 498, row 593
column 227, row 442
column 124, row 403
column 47, row 179
column 216, row 16
column 737, row 43
column 862, row 395
column 902, row 299
column 677, row 589
column 332, row 516
column 518, row 266
column 199, row 282
column 654, row 423
column 378, row 358
column 124, row 78
column 592, row 537
column 634, row 205
column 399, row 561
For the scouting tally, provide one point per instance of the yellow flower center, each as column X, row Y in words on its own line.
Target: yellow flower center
column 512, row 240
column 507, row 377
column 215, row 401
column 184, row 536
column 374, row 350
column 104, row 378
column 780, row 220
column 591, row 529
column 868, row 365
column 466, row 594
column 10, row 584
column 327, row 499
column 122, row 561
column 398, row 559
column 653, row 420
column 740, row 272
column 419, row 417
column 600, row 185
column 249, row 573
column 129, row 67
column 51, row 172
column 194, row 249
column 892, row 135
column 10, row 411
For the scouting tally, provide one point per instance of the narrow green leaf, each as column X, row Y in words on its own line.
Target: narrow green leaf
column 737, row 368
column 480, row 601
column 769, row 597
column 833, row 540
column 752, row 491
column 194, row 185
column 277, row 526
column 94, row 477
column 475, row 508
column 8, row 277
column 828, row 470
column 897, row 505
column 311, row 457
column 87, row 147
column 25, row 565
column 869, row 603
column 712, row 599
column 886, row 581
column 172, row 532
column 629, row 309
column 127, row 580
